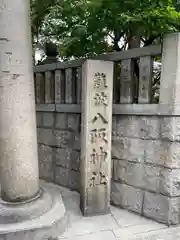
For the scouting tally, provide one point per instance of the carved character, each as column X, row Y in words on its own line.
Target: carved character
column 98, row 135
column 98, row 157
column 100, row 81
column 103, row 178
column 97, row 178
column 101, row 99
column 99, row 115
column 92, row 180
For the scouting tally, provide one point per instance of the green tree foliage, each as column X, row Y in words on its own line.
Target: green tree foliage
column 87, row 27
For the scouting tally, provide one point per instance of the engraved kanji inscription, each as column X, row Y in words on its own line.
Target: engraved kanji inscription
column 144, row 83
column 100, row 81
column 101, row 99
column 96, row 128
column 98, row 157
column 98, row 178
column 98, row 135
column 143, row 88
column 99, row 116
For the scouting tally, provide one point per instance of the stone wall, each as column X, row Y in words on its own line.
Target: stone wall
column 146, row 166
column 59, row 147
column 145, row 160
column 145, row 138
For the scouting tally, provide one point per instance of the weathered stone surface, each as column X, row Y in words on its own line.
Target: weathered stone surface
column 114, row 123
column 135, row 174
column 149, row 127
column 145, row 79
column 115, row 193
column 63, row 139
column 127, row 126
column 62, row 157
column 170, row 74
column 96, row 127
column 151, row 178
column 59, row 138
column 156, row 152
column 75, row 160
column 67, row 158
column 48, row 224
column 39, row 119
column 76, row 145
column 19, row 155
column 74, row 180
column 174, row 209
column 136, row 150
column 156, row 207
column 48, row 119
column 45, row 162
column 138, row 127
column 126, row 81
column 127, row 197
column 128, row 149
column 67, row 178
column 132, row 198
column 128, row 172
column 162, row 153
column 61, row 121
column 73, row 122
column 161, row 208
column 61, row 176
column 45, row 136
column 119, row 170
column 170, row 128
column 170, row 182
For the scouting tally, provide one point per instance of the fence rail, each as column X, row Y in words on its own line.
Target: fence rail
column 60, row 83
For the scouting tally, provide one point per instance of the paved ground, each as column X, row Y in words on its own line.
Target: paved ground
column 118, row 225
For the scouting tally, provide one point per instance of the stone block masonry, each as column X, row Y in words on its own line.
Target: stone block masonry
column 146, row 170
column 145, row 145
column 145, row 150
column 59, row 148
column 145, row 167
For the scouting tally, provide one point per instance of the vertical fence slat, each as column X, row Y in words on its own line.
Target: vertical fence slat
column 79, row 82
column 145, row 79
column 58, row 86
column 49, row 87
column 68, row 86
column 35, row 90
column 126, row 81
column 116, row 83
column 39, row 88
column 74, row 85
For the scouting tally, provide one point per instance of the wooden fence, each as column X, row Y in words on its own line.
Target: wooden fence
column 60, row 83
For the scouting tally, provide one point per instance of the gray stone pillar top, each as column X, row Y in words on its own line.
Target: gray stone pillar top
column 170, row 75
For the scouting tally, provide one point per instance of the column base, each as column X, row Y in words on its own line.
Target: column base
column 44, row 217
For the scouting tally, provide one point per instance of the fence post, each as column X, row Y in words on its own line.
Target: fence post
column 170, row 74
column 97, row 88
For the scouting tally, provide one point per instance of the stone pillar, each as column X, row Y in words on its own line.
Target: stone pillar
column 170, row 76
column 18, row 141
column 97, row 80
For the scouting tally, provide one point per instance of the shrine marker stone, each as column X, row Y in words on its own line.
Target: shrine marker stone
column 97, row 88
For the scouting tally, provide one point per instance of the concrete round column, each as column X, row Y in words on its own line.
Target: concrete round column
column 19, row 175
